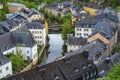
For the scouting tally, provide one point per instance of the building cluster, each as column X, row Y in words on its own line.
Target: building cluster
column 98, row 36
column 75, row 67
column 89, row 50
column 22, row 31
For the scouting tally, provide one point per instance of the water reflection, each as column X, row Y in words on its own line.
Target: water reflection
column 55, row 49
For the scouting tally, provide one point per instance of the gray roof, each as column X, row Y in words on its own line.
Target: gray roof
column 23, row 36
column 28, row 13
column 87, row 23
column 68, row 68
column 18, row 17
column 76, row 41
column 9, row 24
column 104, row 28
column 94, row 49
column 109, row 16
column 34, row 25
column 3, row 59
column 95, row 6
column 6, row 42
column 105, row 66
column 16, row 4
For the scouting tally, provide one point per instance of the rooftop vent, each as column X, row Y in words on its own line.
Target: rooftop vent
column 107, row 60
column 66, row 60
column 41, row 68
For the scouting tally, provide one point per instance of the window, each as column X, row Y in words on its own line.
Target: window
column 84, row 29
column 85, row 34
column 77, row 33
column 12, row 51
column 27, row 51
column 87, row 29
column 0, row 71
column 7, row 68
column 91, row 29
column 80, row 33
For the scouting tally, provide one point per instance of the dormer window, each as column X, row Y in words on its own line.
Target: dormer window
column 76, row 69
column 66, row 60
column 57, row 77
column 41, row 68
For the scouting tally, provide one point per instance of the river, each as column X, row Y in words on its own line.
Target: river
column 55, row 49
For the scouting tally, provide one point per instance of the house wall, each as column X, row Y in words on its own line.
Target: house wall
column 29, row 53
column 72, row 47
column 34, row 52
column 26, row 52
column 11, row 50
column 35, row 17
column 98, row 36
column 5, row 70
column 83, row 32
column 1, row 6
column 39, row 35
column 13, row 9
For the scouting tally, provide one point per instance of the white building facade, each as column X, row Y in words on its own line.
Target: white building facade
column 83, row 32
column 6, row 70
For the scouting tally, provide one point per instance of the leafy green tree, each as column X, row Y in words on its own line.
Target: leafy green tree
column 17, row 62
column 5, row 6
column 117, row 48
column 48, row 1
column 2, row 16
column 115, row 73
column 66, row 29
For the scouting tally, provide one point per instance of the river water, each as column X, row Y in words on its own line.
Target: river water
column 55, row 49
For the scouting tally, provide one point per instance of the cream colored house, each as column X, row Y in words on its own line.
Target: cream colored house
column 1, row 6
column 31, row 14
column 15, row 7
column 105, row 33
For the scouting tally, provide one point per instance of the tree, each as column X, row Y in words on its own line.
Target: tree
column 2, row 16
column 117, row 48
column 66, row 29
column 17, row 62
column 115, row 73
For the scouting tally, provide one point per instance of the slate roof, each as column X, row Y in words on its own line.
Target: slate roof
column 34, row 25
column 86, row 23
column 3, row 59
column 95, row 6
column 6, row 42
column 23, row 36
column 68, row 68
column 18, row 17
column 28, row 13
column 94, row 48
column 76, row 41
column 109, row 16
column 105, row 66
column 104, row 28
column 16, row 4
column 3, row 29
